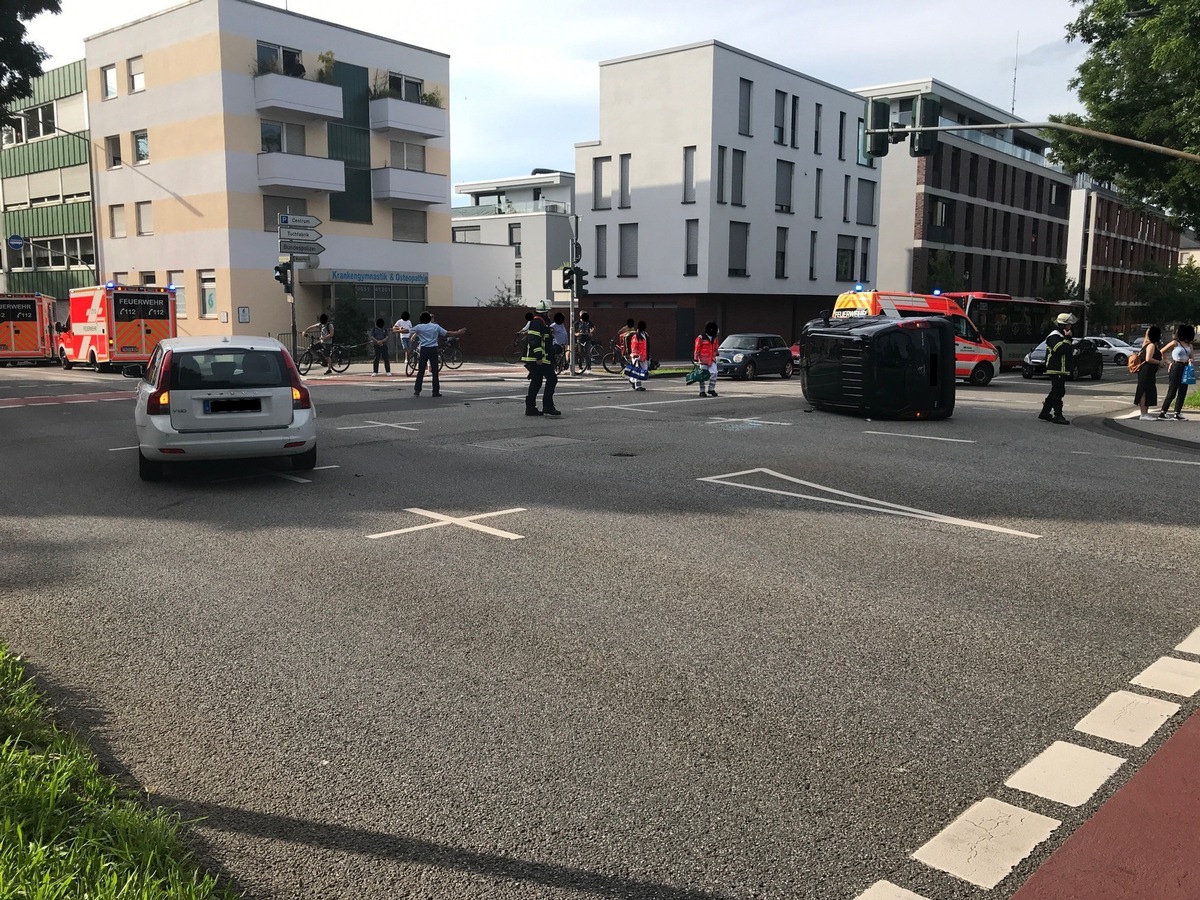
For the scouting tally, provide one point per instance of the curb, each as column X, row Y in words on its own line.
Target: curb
column 1119, row 427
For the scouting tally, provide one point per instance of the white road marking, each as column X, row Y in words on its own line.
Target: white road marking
column 114, row 449
column 885, row 890
column 465, row 522
column 924, row 437
column 720, row 420
column 1171, row 676
column 1191, row 644
column 1065, row 773
column 286, row 477
column 985, row 843
column 634, row 407
column 1127, row 718
column 880, row 506
column 406, row 426
column 1178, row 462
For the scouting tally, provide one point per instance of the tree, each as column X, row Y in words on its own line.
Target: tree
column 1139, row 80
column 1170, row 295
column 1101, row 307
column 940, row 273
column 20, row 59
column 1058, row 286
column 504, row 296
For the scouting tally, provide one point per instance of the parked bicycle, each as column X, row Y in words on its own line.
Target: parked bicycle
column 514, row 351
column 615, row 360
column 450, row 356
column 337, row 359
column 587, row 355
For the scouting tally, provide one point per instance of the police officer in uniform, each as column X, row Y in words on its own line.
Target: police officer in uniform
column 1058, row 362
column 539, row 360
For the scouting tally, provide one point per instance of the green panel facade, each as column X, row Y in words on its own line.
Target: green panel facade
column 350, row 141
column 48, row 221
column 50, row 153
column 55, row 84
column 56, row 283
column 351, row 145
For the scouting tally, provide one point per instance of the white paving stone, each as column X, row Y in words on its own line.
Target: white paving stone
column 1127, row 718
column 986, row 842
column 1065, row 773
column 885, row 890
column 1191, row 644
column 1172, row 676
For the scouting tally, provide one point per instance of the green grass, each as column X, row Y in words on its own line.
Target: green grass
column 69, row 831
column 1192, row 400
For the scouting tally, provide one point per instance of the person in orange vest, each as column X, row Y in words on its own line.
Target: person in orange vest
column 705, row 355
column 639, row 357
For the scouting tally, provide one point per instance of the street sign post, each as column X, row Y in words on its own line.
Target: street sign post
column 300, row 247
column 287, row 233
column 297, row 221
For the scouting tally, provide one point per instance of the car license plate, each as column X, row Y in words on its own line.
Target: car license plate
column 236, row 405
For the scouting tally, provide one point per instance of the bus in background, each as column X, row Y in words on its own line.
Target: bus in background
column 1014, row 327
column 975, row 359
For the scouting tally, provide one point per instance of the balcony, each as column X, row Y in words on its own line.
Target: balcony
column 284, row 95
column 404, row 184
column 560, row 207
column 414, row 118
column 305, row 173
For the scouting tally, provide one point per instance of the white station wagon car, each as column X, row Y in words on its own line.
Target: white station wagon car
column 226, row 397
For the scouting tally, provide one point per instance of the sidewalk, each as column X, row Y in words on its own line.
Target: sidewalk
column 1185, row 434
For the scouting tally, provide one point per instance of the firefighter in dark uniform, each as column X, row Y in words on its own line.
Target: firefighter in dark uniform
column 1058, row 365
column 539, row 360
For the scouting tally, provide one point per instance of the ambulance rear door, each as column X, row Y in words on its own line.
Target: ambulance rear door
column 141, row 318
column 18, row 327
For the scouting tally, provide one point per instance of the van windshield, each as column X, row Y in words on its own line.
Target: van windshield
column 213, row 370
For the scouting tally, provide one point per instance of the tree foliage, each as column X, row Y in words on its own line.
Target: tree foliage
column 504, row 297
column 1101, row 307
column 1139, row 80
column 20, row 59
column 1170, row 295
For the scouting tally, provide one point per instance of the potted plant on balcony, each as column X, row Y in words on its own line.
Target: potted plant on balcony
column 432, row 98
column 327, row 61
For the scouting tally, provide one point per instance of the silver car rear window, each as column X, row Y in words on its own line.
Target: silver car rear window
column 212, row 370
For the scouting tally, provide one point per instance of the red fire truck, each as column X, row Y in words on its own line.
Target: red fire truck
column 27, row 328
column 114, row 325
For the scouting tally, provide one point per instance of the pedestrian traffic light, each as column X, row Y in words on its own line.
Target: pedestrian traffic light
column 581, row 282
column 283, row 274
column 878, row 113
column 568, row 277
column 927, row 113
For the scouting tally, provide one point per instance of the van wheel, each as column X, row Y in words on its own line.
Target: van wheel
column 981, row 375
column 148, row 470
column 305, row 461
column 92, row 361
column 787, row 370
column 63, row 361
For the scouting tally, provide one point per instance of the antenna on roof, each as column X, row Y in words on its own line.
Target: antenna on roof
column 1016, row 57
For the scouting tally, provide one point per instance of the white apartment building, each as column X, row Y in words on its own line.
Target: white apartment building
column 723, row 186
column 531, row 214
column 214, row 116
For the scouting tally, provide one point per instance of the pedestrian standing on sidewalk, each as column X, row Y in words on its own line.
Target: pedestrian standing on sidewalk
column 704, row 355
column 1058, row 365
column 403, row 327
column 639, row 356
column 379, row 341
column 428, row 334
column 1147, row 373
column 1181, row 353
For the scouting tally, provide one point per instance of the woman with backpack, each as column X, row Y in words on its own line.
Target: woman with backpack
column 1181, row 353
column 1147, row 372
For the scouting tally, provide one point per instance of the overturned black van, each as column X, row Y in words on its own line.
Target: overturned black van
column 880, row 366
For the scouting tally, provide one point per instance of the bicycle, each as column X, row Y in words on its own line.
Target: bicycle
column 587, row 354
column 337, row 359
column 614, row 361
column 514, row 351
column 449, row 357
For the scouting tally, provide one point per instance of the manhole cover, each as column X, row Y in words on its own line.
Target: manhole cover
column 515, row 445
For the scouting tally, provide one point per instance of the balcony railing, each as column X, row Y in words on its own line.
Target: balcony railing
column 274, row 93
column 307, row 173
column 405, row 184
column 414, row 118
column 507, row 209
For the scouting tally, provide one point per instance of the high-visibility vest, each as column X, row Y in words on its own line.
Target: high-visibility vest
column 539, row 343
column 705, row 349
column 1058, row 352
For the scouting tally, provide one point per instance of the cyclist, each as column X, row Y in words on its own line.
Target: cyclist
column 559, row 331
column 403, row 327
column 324, row 346
column 584, row 329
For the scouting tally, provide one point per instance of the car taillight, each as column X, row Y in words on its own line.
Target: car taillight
column 159, row 401
column 912, row 323
column 301, row 399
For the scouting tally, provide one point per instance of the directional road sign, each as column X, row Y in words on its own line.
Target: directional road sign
column 300, row 247
column 297, row 221
column 288, row 233
column 15, row 242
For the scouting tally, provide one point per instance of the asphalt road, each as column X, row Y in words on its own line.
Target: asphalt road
column 672, row 648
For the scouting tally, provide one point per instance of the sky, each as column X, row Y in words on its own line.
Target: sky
column 524, row 74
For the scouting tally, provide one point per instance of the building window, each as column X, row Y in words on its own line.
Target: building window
column 689, row 174
column 841, row 135
column 517, row 283
column 600, row 200
column 408, row 156
column 795, row 141
column 846, row 199
column 274, row 207
column 116, row 221
column 737, row 189
column 280, row 137
column 514, row 238
column 739, row 246
column 121, row 277
column 280, row 60
column 137, row 76
column 108, row 82
column 721, row 151
column 812, row 256
column 817, row 129
column 864, row 259
column 624, row 175
column 409, row 225
column 141, row 147
column 469, row 234
column 112, row 151
column 12, row 132
column 144, row 216
column 745, row 91
column 208, row 293
column 39, row 122
column 781, row 238
column 147, row 278
column 866, row 202
column 601, row 251
column 845, row 258
column 82, row 249
column 175, row 280
column 817, row 194
column 405, row 87
column 691, row 247
column 863, row 159
column 627, row 250
column 780, row 117
column 784, row 172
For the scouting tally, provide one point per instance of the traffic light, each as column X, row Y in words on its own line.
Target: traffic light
column 283, row 274
column 927, row 113
column 580, row 282
column 568, row 277
column 878, row 113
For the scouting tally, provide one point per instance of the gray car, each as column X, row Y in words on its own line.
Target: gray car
column 747, row 355
column 1113, row 349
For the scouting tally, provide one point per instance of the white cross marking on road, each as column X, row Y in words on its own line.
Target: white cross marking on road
column 720, row 420
column 406, row 426
column 924, row 437
column 464, row 521
column 284, row 475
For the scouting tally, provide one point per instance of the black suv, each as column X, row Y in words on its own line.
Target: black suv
column 1085, row 360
